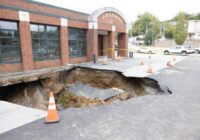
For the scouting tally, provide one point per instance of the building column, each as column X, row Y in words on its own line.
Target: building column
column 123, row 44
column 105, row 45
column 25, row 41
column 64, row 41
column 111, row 44
column 92, row 41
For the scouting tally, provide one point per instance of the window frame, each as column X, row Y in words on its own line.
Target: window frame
column 45, row 44
column 17, row 46
column 78, row 39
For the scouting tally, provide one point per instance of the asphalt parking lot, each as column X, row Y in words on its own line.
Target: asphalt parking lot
column 173, row 116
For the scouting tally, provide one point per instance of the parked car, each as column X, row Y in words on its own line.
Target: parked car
column 146, row 50
column 197, row 50
column 179, row 50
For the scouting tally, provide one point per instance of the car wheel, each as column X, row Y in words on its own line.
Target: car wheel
column 184, row 52
column 166, row 52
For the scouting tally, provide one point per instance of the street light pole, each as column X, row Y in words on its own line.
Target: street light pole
column 152, row 33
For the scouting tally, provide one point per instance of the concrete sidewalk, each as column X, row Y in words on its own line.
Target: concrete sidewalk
column 131, row 68
column 13, row 115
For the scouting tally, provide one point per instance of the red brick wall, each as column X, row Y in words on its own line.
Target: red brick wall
column 111, row 45
column 105, row 20
column 8, row 14
column 111, row 18
column 26, row 45
column 107, row 27
column 6, row 68
column 44, row 19
column 64, row 45
column 77, row 24
column 123, row 44
column 46, row 64
column 41, row 8
column 92, row 44
column 77, row 60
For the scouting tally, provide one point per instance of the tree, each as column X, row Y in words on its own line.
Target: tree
column 169, row 30
column 148, row 40
column 146, row 24
column 180, row 34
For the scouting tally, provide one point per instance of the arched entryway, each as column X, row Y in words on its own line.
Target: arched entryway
column 107, row 32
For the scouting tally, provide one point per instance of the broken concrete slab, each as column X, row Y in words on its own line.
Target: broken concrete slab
column 131, row 68
column 80, row 89
column 29, row 76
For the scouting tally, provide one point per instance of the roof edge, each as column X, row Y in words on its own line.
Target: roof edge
column 57, row 7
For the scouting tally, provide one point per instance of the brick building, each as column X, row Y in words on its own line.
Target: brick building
column 35, row 35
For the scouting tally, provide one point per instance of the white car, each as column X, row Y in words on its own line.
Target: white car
column 197, row 50
column 179, row 50
column 146, row 50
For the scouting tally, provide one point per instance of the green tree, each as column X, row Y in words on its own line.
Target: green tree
column 146, row 24
column 169, row 30
column 180, row 34
column 148, row 37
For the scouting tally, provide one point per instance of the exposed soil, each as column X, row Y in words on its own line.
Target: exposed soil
column 35, row 94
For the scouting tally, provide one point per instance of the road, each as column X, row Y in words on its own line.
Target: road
column 173, row 116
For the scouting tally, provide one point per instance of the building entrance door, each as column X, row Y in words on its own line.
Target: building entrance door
column 100, row 45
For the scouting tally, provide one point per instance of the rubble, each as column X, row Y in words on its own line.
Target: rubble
column 80, row 87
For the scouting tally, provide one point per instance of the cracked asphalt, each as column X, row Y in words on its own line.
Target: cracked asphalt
column 173, row 116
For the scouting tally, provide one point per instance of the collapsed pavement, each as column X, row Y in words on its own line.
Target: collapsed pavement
column 172, row 117
column 79, row 87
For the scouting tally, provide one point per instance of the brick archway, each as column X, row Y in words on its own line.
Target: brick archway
column 113, row 22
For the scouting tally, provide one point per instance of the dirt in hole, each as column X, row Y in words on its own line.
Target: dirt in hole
column 35, row 94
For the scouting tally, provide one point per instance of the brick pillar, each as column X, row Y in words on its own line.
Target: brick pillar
column 123, row 44
column 64, row 45
column 111, row 44
column 105, row 45
column 64, row 41
column 25, row 41
column 92, row 41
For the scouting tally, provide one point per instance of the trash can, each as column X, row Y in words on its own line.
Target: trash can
column 130, row 54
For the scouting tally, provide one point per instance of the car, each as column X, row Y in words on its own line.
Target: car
column 179, row 50
column 197, row 50
column 146, row 50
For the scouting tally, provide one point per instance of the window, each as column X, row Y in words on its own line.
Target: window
column 77, row 42
column 9, row 42
column 45, row 42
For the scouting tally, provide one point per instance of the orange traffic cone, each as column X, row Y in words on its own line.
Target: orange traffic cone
column 119, row 59
column 52, row 115
column 169, row 64
column 150, row 70
column 141, row 63
column 105, row 61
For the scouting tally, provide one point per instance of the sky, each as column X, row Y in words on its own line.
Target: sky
column 162, row 9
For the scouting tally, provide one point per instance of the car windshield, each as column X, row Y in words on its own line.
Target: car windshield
column 188, row 47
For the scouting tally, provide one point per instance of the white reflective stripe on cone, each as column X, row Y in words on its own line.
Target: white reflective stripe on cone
column 52, row 107
column 51, row 100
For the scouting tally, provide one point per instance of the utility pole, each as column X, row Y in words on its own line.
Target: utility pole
column 153, row 34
